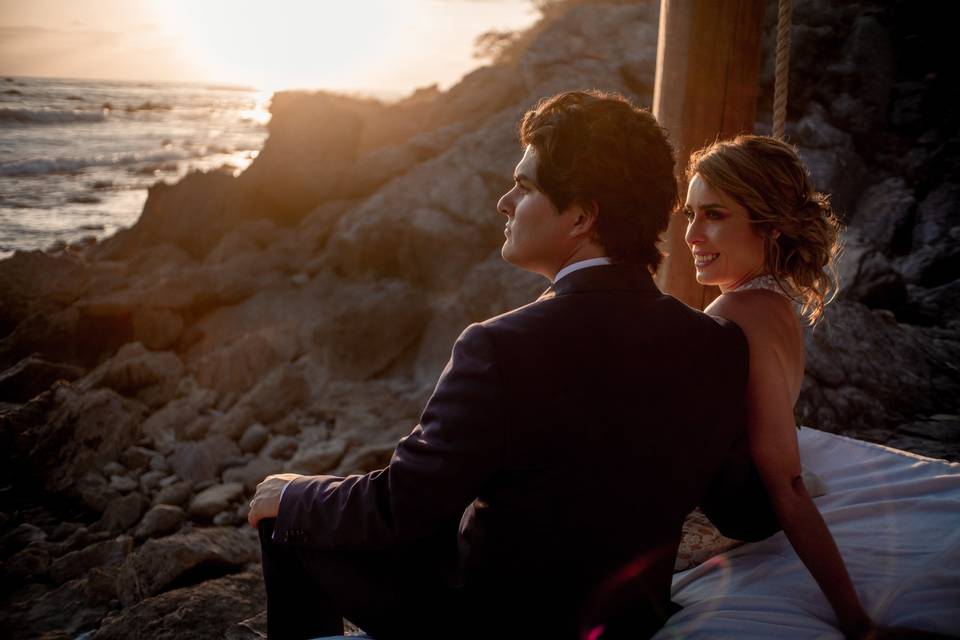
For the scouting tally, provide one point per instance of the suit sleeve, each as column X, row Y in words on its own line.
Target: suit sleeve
column 434, row 474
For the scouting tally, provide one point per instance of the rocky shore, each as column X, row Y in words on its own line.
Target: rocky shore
column 295, row 317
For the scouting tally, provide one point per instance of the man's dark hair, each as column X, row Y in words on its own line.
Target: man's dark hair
column 597, row 147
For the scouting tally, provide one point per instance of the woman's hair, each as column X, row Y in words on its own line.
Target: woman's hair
column 800, row 231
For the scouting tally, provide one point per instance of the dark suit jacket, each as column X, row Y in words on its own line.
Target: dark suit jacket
column 572, row 435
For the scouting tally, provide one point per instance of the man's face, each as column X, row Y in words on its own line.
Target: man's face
column 538, row 237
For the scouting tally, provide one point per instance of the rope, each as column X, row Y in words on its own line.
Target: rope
column 782, row 74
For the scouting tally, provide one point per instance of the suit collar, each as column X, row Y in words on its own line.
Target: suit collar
column 621, row 276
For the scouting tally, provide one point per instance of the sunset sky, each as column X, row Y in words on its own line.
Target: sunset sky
column 365, row 45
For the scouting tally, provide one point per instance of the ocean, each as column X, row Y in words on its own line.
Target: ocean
column 77, row 156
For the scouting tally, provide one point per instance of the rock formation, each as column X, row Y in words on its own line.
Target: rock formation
column 295, row 317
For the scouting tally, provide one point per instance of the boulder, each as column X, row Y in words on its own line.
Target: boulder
column 34, row 282
column 160, row 561
column 62, row 612
column 867, row 276
column 351, row 339
column 254, row 438
column 121, row 513
column 317, row 458
column 134, row 368
column 150, row 481
column 234, row 423
column 866, row 373
column 279, row 392
column 102, row 554
column 202, row 460
column 28, row 565
column 198, row 612
column 113, row 468
column 20, row 537
column 934, row 436
column 33, row 375
column 831, row 156
column 123, row 484
column 137, row 458
column 868, row 42
column 176, row 494
column 249, row 236
column 937, row 214
column 251, row 473
column 314, row 140
column 160, row 520
column 157, row 329
column 882, row 210
column 82, row 432
column 932, row 265
column 595, row 42
column 280, row 448
column 80, row 538
column 60, row 335
column 237, row 366
column 94, row 491
column 209, row 502
column 160, row 428
column 188, row 215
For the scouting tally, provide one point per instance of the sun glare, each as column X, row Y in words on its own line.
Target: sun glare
column 284, row 43
column 383, row 45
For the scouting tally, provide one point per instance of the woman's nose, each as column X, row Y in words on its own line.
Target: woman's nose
column 693, row 234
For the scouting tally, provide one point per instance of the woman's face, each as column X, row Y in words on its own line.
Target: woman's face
column 727, row 249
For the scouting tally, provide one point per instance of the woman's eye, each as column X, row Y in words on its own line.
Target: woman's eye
column 712, row 215
column 688, row 214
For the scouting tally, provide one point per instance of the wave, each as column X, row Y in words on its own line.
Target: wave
column 49, row 116
column 39, row 166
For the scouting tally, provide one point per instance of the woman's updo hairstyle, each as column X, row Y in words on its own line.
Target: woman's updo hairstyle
column 799, row 228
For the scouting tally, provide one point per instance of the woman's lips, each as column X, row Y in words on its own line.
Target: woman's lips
column 702, row 260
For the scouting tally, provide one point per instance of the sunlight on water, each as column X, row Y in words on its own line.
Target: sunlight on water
column 76, row 157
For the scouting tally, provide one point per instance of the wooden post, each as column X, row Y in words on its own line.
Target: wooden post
column 708, row 68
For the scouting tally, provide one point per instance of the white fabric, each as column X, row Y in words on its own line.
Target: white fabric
column 582, row 264
column 896, row 519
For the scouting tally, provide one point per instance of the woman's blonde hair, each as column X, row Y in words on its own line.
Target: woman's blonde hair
column 800, row 231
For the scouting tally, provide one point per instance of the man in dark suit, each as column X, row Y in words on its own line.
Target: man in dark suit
column 543, row 492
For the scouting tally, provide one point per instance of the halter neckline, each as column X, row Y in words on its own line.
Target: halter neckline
column 767, row 282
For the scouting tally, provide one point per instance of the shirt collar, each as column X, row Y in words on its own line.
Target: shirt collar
column 581, row 264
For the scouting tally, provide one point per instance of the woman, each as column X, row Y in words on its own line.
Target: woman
column 759, row 231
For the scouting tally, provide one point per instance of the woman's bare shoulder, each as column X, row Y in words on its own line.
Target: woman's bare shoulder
column 760, row 313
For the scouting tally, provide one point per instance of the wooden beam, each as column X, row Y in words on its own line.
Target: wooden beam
column 708, row 69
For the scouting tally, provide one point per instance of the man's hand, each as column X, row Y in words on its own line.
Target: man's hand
column 266, row 499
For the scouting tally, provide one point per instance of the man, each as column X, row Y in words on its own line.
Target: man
column 543, row 492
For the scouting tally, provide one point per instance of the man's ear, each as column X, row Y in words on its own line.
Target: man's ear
column 585, row 221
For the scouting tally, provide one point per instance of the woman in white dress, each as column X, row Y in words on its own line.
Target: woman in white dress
column 759, row 231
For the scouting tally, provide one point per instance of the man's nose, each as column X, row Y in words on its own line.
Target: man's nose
column 505, row 204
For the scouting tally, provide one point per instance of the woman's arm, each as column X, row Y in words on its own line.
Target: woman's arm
column 775, row 451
